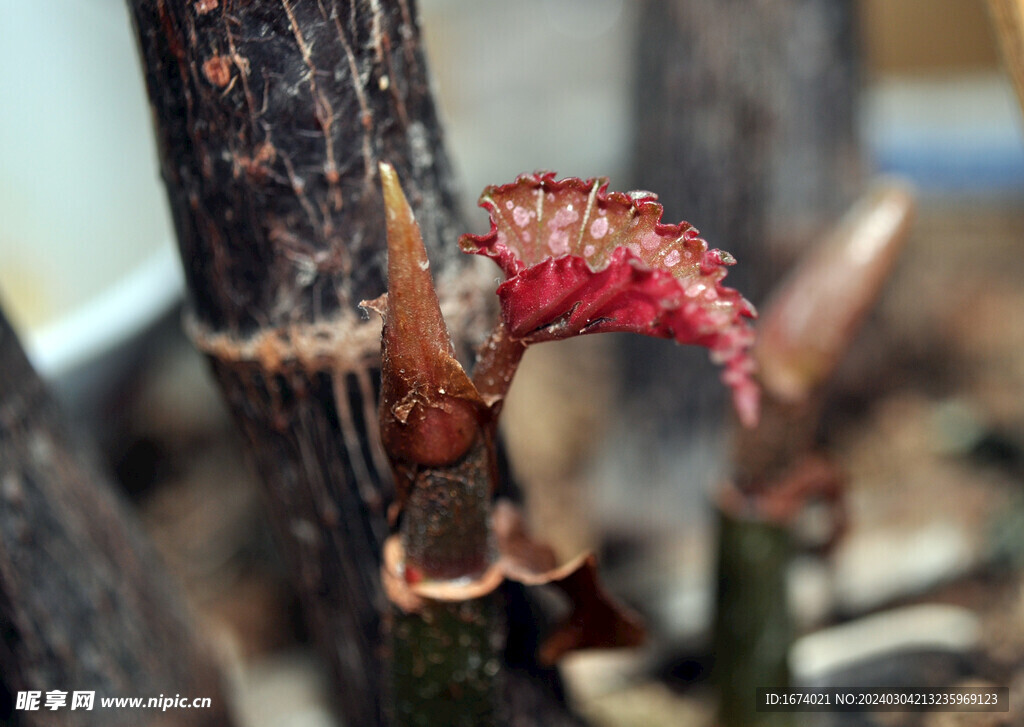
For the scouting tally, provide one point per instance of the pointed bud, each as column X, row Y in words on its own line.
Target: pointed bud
column 814, row 316
column 430, row 413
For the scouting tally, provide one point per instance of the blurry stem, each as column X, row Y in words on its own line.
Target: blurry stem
column 805, row 331
column 808, row 325
column 812, row 318
column 85, row 603
column 1008, row 17
column 752, row 628
column 763, row 454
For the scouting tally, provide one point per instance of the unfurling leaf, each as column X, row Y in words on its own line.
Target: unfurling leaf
column 579, row 259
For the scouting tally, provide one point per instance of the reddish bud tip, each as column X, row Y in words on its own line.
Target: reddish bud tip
column 430, row 413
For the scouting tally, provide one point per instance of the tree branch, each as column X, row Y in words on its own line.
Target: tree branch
column 84, row 603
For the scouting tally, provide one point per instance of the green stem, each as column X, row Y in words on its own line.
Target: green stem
column 753, row 630
column 446, row 664
column 446, row 657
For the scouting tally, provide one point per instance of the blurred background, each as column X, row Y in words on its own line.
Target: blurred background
column 926, row 416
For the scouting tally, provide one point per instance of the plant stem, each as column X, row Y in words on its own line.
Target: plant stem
column 446, row 657
column 446, row 664
column 805, row 332
column 446, row 532
column 438, row 434
column 496, row 364
column 752, row 629
column 271, row 117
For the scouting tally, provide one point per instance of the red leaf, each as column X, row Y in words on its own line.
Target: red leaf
column 579, row 259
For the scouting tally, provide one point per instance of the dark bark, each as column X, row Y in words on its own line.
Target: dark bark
column 744, row 126
column 746, row 121
column 84, row 603
column 746, row 116
column 271, row 118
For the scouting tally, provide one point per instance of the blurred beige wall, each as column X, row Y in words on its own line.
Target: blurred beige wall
column 926, row 36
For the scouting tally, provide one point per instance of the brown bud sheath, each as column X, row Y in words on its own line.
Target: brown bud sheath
column 809, row 323
column 430, row 413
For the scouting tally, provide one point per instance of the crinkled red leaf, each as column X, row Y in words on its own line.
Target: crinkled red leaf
column 579, row 259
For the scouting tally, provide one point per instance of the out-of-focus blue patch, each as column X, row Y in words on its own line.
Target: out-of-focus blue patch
column 955, row 168
column 961, row 135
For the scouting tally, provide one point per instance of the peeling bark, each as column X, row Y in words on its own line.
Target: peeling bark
column 84, row 604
